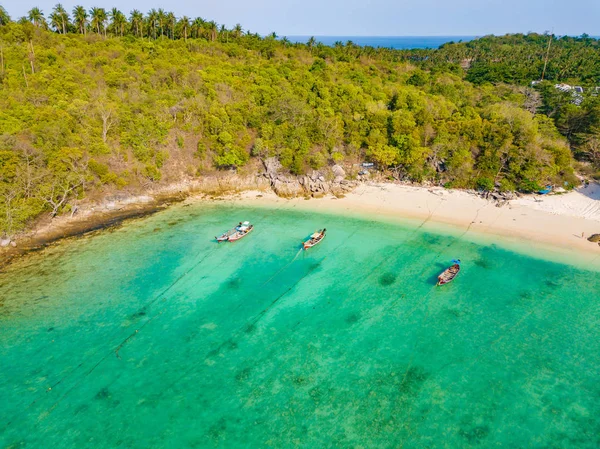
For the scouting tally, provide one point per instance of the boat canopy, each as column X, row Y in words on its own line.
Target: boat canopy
column 315, row 235
column 244, row 226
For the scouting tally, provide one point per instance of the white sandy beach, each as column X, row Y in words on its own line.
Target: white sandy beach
column 553, row 222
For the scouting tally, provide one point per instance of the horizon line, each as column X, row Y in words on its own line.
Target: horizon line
column 436, row 35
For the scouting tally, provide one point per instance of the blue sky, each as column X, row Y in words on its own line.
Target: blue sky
column 368, row 18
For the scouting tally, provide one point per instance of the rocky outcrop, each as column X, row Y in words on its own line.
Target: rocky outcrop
column 594, row 238
column 339, row 173
column 282, row 184
column 497, row 196
column 7, row 242
column 317, row 183
column 501, row 198
column 272, row 166
column 287, row 186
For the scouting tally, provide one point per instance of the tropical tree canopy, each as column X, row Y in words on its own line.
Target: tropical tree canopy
column 122, row 103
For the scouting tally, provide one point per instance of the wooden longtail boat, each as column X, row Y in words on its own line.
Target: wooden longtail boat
column 225, row 236
column 449, row 273
column 240, row 231
column 315, row 239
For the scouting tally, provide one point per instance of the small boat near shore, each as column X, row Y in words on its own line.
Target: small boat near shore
column 315, row 239
column 449, row 273
column 240, row 231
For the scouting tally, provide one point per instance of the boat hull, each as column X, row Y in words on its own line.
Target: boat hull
column 236, row 233
column 448, row 275
column 239, row 235
column 225, row 236
column 310, row 243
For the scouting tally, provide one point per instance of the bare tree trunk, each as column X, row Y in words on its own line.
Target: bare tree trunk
column 546, row 58
column 1, row 59
column 60, row 201
column 25, row 76
column 107, row 122
column 32, row 57
column 8, row 199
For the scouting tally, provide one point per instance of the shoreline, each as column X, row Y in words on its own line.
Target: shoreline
column 552, row 224
column 522, row 226
column 111, row 211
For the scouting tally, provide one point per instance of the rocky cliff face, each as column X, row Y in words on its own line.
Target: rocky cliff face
column 318, row 183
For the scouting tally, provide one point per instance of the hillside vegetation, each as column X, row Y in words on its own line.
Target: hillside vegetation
column 100, row 105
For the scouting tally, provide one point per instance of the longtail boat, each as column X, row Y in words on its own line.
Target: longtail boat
column 449, row 273
column 240, row 231
column 314, row 239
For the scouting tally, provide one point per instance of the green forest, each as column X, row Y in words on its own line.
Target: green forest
column 94, row 101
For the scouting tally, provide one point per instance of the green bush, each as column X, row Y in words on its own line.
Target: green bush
column 485, row 184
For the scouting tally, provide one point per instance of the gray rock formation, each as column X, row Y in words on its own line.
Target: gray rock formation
column 313, row 184
column 339, row 173
column 272, row 166
column 286, row 186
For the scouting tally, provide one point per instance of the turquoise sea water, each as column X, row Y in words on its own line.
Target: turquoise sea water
column 152, row 335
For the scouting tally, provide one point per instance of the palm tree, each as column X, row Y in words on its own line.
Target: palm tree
column 137, row 22
column 197, row 26
column 224, row 32
column 122, row 23
column 113, row 14
column 311, row 43
column 55, row 21
column 36, row 16
column 160, row 16
column 4, row 17
column 80, row 18
column 170, row 23
column 64, row 16
column 98, row 18
column 237, row 31
column 118, row 21
column 59, row 19
column 211, row 28
column 184, row 26
column 285, row 41
column 152, row 17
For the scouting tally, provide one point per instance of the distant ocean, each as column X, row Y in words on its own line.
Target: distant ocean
column 396, row 42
